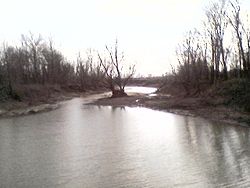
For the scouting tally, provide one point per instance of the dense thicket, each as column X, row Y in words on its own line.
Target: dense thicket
column 218, row 52
column 37, row 62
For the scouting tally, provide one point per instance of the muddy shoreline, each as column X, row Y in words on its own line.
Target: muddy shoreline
column 188, row 106
column 13, row 108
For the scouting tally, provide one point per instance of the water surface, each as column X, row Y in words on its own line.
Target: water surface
column 143, row 90
column 89, row 146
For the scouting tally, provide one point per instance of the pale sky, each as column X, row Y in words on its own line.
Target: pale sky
column 148, row 31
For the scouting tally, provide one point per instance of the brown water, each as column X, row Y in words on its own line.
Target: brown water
column 89, row 146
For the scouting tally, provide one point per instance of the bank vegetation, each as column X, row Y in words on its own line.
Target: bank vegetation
column 212, row 75
column 214, row 62
column 35, row 71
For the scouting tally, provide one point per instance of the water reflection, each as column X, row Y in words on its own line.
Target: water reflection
column 89, row 146
column 218, row 150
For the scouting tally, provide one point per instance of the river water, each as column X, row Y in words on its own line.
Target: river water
column 88, row 146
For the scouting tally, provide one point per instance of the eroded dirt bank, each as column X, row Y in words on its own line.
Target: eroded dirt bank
column 180, row 105
column 13, row 108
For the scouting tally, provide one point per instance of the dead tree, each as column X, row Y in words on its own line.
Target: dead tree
column 239, row 29
column 192, row 72
column 116, row 77
column 33, row 45
column 217, row 24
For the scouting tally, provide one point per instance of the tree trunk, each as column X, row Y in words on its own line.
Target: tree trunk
column 223, row 61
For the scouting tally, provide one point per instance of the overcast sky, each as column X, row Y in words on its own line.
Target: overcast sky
column 148, row 31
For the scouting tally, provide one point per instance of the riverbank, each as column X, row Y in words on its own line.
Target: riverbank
column 207, row 107
column 188, row 106
column 11, row 108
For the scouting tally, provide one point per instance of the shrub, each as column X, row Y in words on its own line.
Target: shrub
column 237, row 93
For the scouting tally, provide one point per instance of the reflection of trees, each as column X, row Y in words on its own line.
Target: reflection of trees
column 114, row 108
column 219, row 150
column 236, row 146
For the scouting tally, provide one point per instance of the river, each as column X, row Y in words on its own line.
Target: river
column 81, row 145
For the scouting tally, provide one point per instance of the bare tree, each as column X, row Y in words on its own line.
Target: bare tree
column 192, row 70
column 34, row 46
column 240, row 31
column 116, row 77
column 88, row 72
column 217, row 24
column 54, row 61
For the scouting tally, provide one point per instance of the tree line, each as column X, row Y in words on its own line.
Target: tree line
column 217, row 52
column 37, row 62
